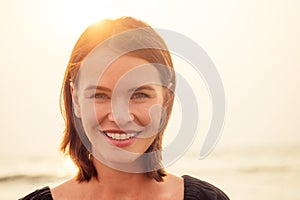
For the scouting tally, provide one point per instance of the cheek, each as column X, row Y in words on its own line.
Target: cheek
column 141, row 114
column 146, row 113
column 92, row 113
column 100, row 110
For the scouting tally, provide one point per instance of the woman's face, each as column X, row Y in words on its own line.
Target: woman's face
column 121, row 111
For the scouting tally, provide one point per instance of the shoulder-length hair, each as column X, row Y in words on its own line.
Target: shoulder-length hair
column 95, row 34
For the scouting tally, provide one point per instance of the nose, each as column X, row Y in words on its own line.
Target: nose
column 120, row 118
column 120, row 113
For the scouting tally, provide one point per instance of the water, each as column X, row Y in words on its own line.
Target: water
column 264, row 172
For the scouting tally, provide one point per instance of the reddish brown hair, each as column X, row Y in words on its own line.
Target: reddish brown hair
column 71, row 144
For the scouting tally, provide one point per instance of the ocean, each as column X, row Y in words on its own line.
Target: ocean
column 244, row 173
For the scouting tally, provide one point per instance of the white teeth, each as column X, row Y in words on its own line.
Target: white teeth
column 118, row 136
column 123, row 136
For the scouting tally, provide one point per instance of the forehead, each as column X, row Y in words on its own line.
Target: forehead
column 127, row 70
column 129, row 67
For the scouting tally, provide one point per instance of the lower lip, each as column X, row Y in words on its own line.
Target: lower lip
column 120, row 143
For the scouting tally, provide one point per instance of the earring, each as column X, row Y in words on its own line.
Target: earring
column 90, row 157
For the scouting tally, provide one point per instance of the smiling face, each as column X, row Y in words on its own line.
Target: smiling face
column 121, row 111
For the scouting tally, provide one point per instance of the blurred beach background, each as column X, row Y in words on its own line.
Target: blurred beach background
column 255, row 46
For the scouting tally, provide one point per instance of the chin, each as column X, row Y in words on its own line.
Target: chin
column 120, row 160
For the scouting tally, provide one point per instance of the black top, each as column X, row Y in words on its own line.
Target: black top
column 201, row 190
column 193, row 189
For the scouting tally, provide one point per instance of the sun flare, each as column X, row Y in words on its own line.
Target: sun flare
column 77, row 15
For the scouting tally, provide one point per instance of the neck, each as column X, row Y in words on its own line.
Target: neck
column 114, row 183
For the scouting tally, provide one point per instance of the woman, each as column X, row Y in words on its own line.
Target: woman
column 117, row 97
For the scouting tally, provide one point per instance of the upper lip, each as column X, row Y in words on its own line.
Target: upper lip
column 119, row 131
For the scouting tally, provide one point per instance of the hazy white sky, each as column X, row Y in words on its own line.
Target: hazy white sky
column 254, row 44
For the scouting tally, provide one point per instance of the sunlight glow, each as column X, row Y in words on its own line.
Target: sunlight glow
column 77, row 15
column 68, row 169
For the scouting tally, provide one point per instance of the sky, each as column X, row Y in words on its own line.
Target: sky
column 255, row 46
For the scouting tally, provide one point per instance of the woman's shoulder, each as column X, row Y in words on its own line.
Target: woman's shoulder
column 198, row 189
column 39, row 194
column 46, row 193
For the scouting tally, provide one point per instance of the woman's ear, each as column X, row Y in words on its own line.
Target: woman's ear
column 75, row 102
column 168, row 94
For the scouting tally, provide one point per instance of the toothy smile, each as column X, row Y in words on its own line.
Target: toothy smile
column 120, row 136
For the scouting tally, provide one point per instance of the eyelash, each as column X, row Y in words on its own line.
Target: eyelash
column 139, row 96
column 101, row 96
column 134, row 96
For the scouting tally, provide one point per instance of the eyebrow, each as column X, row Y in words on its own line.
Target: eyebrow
column 144, row 87
column 93, row 87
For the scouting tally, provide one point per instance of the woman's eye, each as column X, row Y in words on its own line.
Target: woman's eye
column 139, row 96
column 101, row 96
